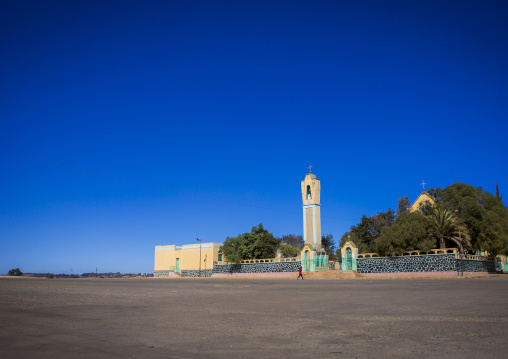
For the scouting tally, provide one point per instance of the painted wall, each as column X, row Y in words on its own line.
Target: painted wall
column 165, row 257
column 191, row 256
column 188, row 257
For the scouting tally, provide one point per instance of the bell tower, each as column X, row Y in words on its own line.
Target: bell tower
column 311, row 191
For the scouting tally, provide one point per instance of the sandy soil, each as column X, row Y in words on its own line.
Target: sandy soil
column 238, row 318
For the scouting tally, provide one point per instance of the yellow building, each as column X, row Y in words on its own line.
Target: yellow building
column 191, row 260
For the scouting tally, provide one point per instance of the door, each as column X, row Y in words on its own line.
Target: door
column 178, row 265
column 349, row 259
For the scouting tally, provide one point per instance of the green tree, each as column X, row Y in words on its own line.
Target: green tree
column 403, row 204
column 328, row 244
column 464, row 215
column 446, row 225
column 468, row 202
column 410, row 231
column 494, row 232
column 380, row 221
column 15, row 272
column 365, row 233
column 259, row 243
column 293, row 240
column 288, row 250
column 291, row 244
column 361, row 234
column 338, row 255
column 233, row 249
column 426, row 208
column 435, row 193
column 481, row 212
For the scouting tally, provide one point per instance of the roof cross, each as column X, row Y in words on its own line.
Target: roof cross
column 310, row 169
column 423, row 184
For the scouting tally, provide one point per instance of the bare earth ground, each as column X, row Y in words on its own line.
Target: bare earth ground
column 253, row 318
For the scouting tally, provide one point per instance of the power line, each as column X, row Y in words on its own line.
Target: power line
column 158, row 187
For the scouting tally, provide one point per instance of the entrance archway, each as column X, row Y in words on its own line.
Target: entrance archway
column 306, row 257
column 349, row 253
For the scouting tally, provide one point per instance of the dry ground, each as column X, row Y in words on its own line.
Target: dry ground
column 236, row 318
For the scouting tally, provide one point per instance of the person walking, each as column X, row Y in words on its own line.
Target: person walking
column 299, row 273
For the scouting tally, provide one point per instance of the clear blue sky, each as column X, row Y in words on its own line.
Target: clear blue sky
column 222, row 106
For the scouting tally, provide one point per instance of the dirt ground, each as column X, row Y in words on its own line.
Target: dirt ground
column 252, row 318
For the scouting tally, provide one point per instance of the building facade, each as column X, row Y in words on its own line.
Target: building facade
column 192, row 260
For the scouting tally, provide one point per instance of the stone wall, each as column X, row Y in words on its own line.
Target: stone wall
column 195, row 273
column 421, row 263
column 473, row 265
column 161, row 273
column 256, row 267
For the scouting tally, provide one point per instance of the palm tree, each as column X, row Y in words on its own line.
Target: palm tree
column 447, row 225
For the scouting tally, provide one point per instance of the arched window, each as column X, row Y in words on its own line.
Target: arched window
column 309, row 195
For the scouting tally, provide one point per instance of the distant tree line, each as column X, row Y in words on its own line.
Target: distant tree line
column 15, row 272
column 463, row 216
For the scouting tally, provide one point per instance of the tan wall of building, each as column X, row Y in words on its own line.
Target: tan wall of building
column 191, row 256
column 165, row 257
column 188, row 255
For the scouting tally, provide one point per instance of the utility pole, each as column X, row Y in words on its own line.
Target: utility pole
column 460, row 247
column 95, row 272
column 461, row 254
column 199, row 240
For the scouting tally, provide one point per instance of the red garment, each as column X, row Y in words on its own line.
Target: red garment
column 300, row 270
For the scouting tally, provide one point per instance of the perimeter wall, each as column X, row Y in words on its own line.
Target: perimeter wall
column 256, row 267
column 422, row 263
